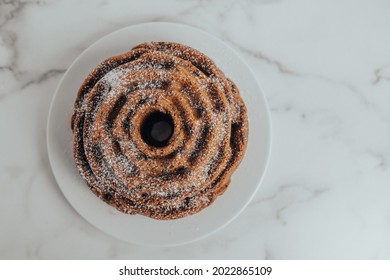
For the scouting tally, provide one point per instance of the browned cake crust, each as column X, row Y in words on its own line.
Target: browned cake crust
column 194, row 167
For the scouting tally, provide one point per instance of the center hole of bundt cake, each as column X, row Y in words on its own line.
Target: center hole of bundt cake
column 157, row 129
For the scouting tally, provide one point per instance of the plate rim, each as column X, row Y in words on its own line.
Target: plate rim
column 267, row 115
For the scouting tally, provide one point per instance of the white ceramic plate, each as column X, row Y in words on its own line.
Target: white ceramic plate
column 137, row 228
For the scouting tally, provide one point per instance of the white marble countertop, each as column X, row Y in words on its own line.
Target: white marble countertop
column 325, row 70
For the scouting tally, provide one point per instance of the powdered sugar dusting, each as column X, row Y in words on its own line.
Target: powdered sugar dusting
column 188, row 173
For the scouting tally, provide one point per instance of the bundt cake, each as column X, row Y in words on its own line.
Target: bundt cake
column 158, row 130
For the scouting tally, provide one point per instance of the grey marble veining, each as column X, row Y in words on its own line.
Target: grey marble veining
column 325, row 69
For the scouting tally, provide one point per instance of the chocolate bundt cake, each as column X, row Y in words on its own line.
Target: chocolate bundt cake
column 158, row 131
